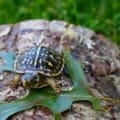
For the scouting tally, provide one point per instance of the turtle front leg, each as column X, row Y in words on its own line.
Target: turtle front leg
column 13, row 83
column 54, row 85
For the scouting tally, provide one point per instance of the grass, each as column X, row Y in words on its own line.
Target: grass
column 103, row 16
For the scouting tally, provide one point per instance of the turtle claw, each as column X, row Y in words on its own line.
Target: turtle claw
column 57, row 90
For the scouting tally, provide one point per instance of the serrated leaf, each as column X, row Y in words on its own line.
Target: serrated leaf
column 49, row 99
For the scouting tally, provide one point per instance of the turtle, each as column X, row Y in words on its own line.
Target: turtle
column 41, row 66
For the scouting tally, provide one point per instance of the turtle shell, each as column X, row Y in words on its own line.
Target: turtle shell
column 40, row 59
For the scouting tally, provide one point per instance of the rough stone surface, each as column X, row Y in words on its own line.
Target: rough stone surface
column 100, row 57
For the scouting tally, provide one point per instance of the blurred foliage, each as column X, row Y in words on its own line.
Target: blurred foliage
column 103, row 16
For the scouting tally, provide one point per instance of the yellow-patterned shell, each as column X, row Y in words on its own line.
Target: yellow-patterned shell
column 40, row 59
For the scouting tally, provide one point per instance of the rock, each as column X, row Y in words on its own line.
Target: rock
column 4, row 31
column 81, row 112
column 100, row 58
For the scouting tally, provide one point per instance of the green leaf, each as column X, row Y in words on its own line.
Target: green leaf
column 47, row 97
column 8, row 59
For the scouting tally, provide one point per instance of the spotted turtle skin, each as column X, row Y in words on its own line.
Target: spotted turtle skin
column 40, row 59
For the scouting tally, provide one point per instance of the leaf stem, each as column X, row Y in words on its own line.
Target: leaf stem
column 57, row 116
column 112, row 100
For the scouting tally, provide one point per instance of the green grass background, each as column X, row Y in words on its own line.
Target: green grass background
column 103, row 16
